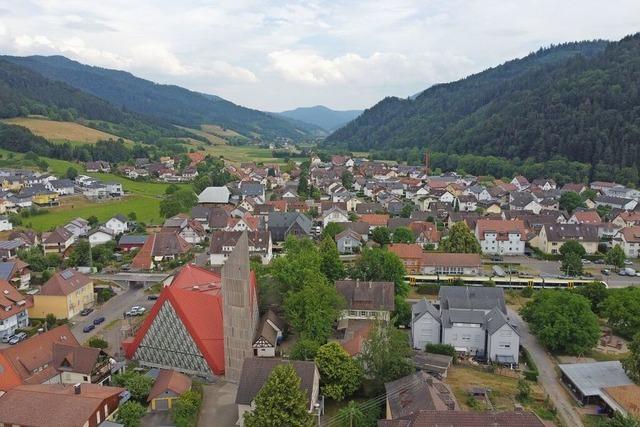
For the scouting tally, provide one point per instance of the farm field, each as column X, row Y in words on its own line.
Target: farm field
column 59, row 132
column 146, row 208
column 239, row 154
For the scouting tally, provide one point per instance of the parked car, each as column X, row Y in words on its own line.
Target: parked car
column 599, row 261
column 628, row 262
column 605, row 271
column 585, row 261
column 98, row 320
column 88, row 328
column 136, row 310
column 152, row 297
column 622, row 273
column 20, row 336
column 630, row 271
column 6, row 338
column 86, row 311
column 125, row 267
column 496, row 258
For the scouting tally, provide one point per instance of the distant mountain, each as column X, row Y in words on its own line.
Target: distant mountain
column 322, row 116
column 172, row 104
column 579, row 101
column 25, row 92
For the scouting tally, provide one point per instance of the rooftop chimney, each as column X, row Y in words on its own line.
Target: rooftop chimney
column 76, row 388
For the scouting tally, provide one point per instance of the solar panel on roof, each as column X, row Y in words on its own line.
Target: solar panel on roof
column 67, row 274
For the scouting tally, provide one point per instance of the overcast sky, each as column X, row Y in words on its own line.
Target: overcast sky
column 276, row 55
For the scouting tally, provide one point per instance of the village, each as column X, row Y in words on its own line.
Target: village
column 184, row 320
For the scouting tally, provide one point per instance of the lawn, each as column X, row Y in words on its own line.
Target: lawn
column 246, row 153
column 144, row 188
column 60, row 132
column 146, row 208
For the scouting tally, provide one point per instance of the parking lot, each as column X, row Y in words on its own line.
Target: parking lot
column 540, row 267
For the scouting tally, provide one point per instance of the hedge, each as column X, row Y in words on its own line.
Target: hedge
column 428, row 289
column 531, row 373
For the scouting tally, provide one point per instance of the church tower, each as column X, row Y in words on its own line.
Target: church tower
column 239, row 299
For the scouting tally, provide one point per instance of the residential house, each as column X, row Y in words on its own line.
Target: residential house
column 15, row 310
column 132, row 241
column 501, row 236
column 5, row 224
column 98, row 166
column 160, row 247
column 252, row 189
column 222, row 244
column 616, row 202
column 375, row 220
column 334, row 214
column 79, row 227
column 426, row 234
column 366, row 300
column 57, row 241
column 434, row 418
column 16, row 272
column 348, row 242
column 9, row 248
column 524, row 201
column 585, row 217
column 95, row 190
column 520, row 182
column 552, row 236
column 416, row 392
column 268, row 335
column 100, row 236
column 629, row 240
column 29, row 237
column 627, row 219
column 64, row 295
column 190, row 230
column 117, row 224
column 256, row 371
column 63, row 187
column 472, row 320
column 544, row 184
column 283, row 224
column 46, row 405
column 168, row 386
column 80, row 365
column 38, row 350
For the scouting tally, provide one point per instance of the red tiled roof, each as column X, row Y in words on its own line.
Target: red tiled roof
column 587, row 217
column 200, row 310
column 64, row 283
column 406, row 250
column 12, row 301
column 375, row 219
column 168, row 379
column 441, row 259
column 21, row 360
column 631, row 234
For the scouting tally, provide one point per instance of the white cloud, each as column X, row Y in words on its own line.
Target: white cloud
column 377, row 69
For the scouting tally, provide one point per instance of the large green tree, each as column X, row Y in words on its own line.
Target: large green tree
column 378, row 264
column 381, row 235
column 632, row 362
column 81, row 254
column 280, row 402
column 461, row 240
column 313, row 309
column 616, row 256
column 331, row 265
column 571, row 264
column 340, row 375
column 386, row 354
column 403, row 235
column 562, row 321
column 332, row 229
column 570, row 200
column 353, row 415
column 622, row 310
column 572, row 246
column 300, row 264
column 596, row 292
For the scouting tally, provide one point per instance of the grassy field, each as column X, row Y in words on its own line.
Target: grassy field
column 146, row 208
column 60, row 132
column 150, row 189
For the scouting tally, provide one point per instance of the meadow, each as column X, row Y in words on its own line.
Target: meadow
column 59, row 132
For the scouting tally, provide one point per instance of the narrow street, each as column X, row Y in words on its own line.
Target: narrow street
column 112, row 310
column 547, row 378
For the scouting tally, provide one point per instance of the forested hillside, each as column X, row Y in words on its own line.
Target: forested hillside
column 171, row 104
column 24, row 92
column 321, row 116
column 578, row 101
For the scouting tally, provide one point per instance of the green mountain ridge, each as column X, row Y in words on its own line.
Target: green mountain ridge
column 580, row 101
column 321, row 116
column 169, row 103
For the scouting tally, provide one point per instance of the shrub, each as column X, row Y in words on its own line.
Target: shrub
column 185, row 411
column 97, row 342
column 445, row 349
column 428, row 289
column 527, row 292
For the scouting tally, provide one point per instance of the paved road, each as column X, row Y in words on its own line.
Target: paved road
column 111, row 310
column 563, row 402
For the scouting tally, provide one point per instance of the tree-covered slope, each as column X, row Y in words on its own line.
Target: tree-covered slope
column 24, row 92
column 321, row 116
column 170, row 103
column 578, row 100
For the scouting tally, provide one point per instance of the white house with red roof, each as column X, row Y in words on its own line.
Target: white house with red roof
column 503, row 237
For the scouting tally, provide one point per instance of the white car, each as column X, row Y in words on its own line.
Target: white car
column 627, row 262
